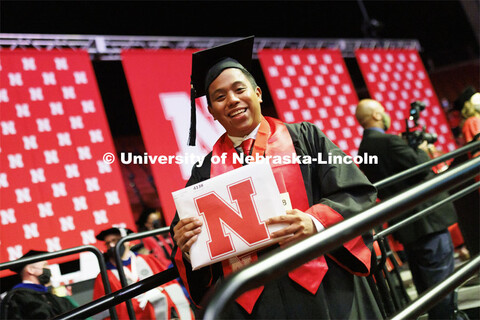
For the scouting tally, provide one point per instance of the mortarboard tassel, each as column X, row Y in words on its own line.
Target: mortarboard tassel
column 193, row 118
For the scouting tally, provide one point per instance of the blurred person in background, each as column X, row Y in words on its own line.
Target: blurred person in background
column 164, row 302
column 159, row 245
column 471, row 113
column 427, row 242
column 32, row 298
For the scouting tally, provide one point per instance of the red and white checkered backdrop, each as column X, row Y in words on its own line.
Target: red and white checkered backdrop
column 314, row 85
column 56, row 191
column 397, row 77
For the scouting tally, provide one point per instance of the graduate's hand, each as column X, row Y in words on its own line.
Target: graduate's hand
column 300, row 226
column 186, row 232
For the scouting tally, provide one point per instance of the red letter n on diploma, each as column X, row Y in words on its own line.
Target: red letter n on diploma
column 220, row 215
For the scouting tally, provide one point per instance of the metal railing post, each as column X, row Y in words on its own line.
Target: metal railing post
column 118, row 260
column 435, row 294
column 119, row 296
column 426, row 211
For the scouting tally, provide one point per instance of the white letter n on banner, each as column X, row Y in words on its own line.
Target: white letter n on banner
column 175, row 106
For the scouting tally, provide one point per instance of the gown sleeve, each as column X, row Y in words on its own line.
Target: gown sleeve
column 335, row 191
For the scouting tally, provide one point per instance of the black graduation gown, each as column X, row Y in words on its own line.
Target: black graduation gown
column 342, row 187
column 25, row 303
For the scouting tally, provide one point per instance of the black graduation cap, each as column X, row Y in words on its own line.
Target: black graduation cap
column 114, row 230
column 466, row 94
column 18, row 268
column 207, row 66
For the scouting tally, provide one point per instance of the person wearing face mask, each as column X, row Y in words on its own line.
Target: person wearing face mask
column 31, row 299
column 159, row 245
column 164, row 302
column 427, row 242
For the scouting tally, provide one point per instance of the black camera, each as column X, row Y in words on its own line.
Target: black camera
column 415, row 138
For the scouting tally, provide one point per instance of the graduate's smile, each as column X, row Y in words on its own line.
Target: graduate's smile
column 237, row 113
column 235, row 103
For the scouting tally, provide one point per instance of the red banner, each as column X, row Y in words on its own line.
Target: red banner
column 396, row 78
column 56, row 191
column 159, row 83
column 314, row 85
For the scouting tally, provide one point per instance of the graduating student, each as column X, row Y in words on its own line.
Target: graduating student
column 321, row 195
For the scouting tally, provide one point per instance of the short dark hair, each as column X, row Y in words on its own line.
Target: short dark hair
column 142, row 219
column 249, row 77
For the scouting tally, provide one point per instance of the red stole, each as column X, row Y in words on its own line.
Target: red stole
column 273, row 139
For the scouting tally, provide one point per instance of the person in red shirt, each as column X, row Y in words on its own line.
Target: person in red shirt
column 164, row 302
column 471, row 111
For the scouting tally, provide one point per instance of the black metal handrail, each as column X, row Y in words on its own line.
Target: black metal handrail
column 379, row 236
column 426, row 165
column 118, row 260
column 297, row 254
column 281, row 261
column 435, row 294
column 65, row 252
column 119, row 296
column 426, row 211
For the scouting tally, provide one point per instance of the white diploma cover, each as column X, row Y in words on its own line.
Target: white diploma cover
column 233, row 207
